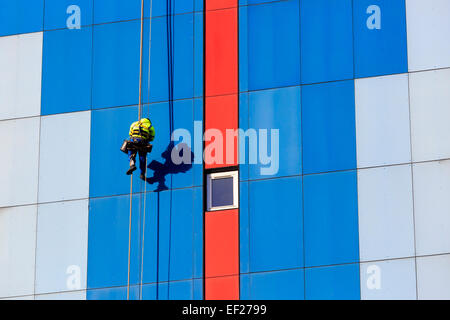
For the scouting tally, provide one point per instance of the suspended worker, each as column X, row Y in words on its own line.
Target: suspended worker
column 141, row 134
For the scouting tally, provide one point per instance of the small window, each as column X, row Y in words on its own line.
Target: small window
column 222, row 190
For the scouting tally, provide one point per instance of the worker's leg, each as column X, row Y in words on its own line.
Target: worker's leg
column 143, row 161
column 132, row 158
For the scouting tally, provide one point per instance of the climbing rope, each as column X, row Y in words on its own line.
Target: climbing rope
column 145, row 182
column 139, row 117
column 170, row 27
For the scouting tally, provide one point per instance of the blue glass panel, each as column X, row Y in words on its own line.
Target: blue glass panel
column 183, row 59
column 183, row 6
column 119, row 293
column 197, row 147
column 327, row 40
column 149, row 292
column 66, row 76
column 178, row 224
column 21, row 16
column 276, row 224
column 116, row 64
column 328, row 121
column 283, row 285
column 277, row 109
column 244, row 287
column 108, row 164
column 57, row 12
column 116, row 10
column 331, row 218
column 178, row 290
column 243, row 49
column 244, row 232
column 273, row 47
column 198, row 54
column 108, row 241
column 333, row 283
column 243, row 147
column 183, row 119
column 380, row 37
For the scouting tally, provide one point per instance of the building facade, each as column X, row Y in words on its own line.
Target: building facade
column 348, row 193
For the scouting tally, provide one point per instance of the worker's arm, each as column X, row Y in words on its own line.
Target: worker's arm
column 152, row 134
column 131, row 129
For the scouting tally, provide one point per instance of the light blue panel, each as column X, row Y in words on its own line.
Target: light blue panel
column 333, row 283
column 243, row 147
column 397, row 280
column 276, row 224
column 109, row 128
column 116, row 64
column 277, row 109
column 119, row 293
column 198, row 142
column 244, row 228
column 198, row 54
column 183, row 174
column 56, row 13
column 66, row 177
column 66, row 75
column 327, row 40
column 243, row 48
column 183, row 59
column 273, row 47
column 108, row 241
column 282, row 285
column 380, row 49
column 177, row 246
column 328, row 127
column 62, row 232
column 331, row 218
column 21, row 16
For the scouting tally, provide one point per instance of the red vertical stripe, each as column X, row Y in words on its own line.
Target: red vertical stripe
column 220, row 4
column 221, row 113
column 222, row 288
column 221, row 52
column 221, row 243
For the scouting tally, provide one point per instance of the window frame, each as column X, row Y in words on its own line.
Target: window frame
column 221, row 175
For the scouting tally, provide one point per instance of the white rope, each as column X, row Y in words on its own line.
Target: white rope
column 129, row 237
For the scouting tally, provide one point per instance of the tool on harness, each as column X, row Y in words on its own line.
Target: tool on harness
column 124, row 147
column 130, row 145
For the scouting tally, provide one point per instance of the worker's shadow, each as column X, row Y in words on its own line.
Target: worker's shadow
column 161, row 170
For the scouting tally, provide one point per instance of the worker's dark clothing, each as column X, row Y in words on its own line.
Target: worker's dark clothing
column 139, row 147
column 141, row 133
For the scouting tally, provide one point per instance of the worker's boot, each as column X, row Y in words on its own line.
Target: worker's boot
column 132, row 167
column 143, row 175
